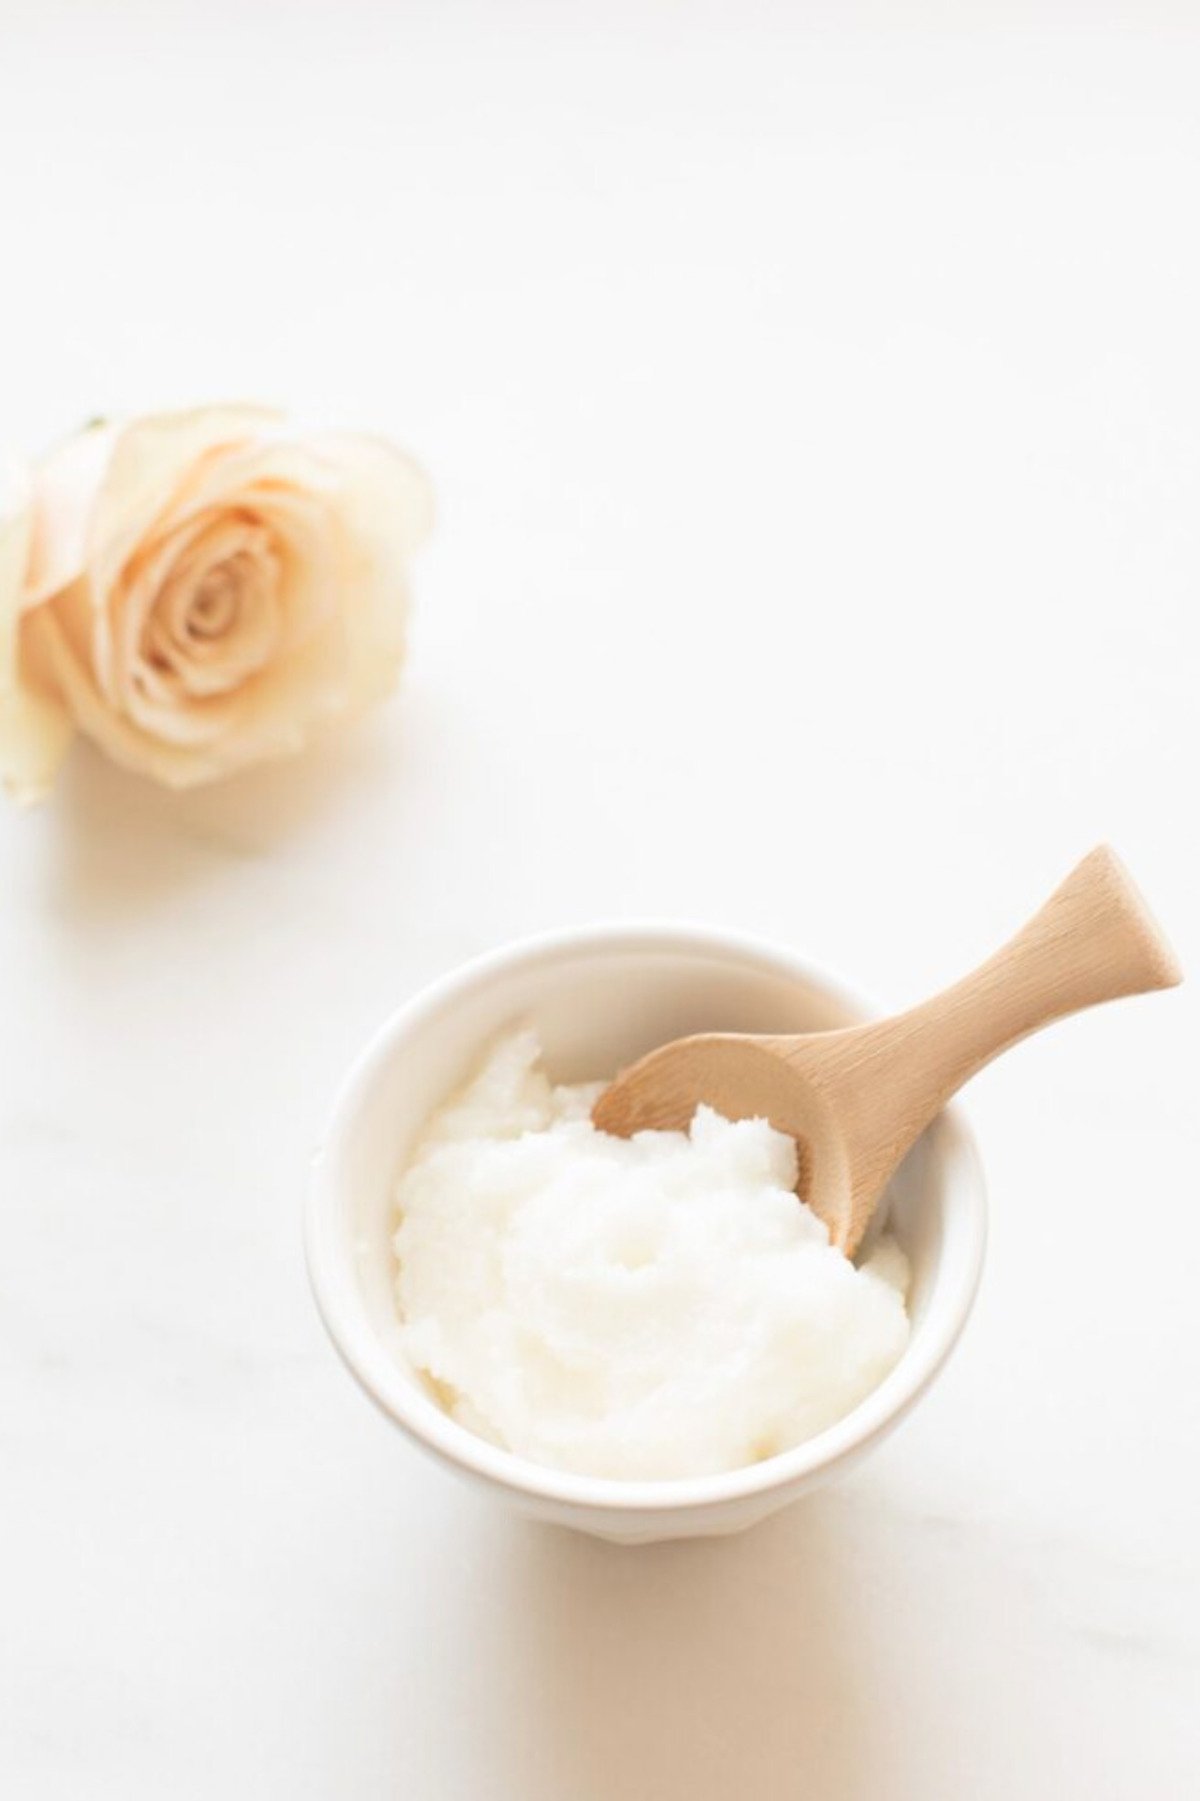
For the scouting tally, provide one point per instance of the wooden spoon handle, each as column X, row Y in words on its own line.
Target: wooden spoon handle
column 1094, row 940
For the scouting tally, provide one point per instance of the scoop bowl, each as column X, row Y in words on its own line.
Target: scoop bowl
column 600, row 998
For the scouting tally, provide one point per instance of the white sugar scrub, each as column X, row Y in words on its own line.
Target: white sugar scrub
column 654, row 1307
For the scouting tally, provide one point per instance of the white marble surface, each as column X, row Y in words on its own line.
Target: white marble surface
column 814, row 401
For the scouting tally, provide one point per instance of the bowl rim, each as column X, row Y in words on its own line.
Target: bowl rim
column 343, row 1309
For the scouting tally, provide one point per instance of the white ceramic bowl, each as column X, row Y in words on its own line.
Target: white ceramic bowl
column 599, row 998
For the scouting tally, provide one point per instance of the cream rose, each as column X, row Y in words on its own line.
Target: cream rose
column 197, row 591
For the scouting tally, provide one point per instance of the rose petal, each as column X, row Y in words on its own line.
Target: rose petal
column 245, row 622
column 176, row 764
column 388, row 481
column 65, row 486
column 35, row 729
column 153, row 461
column 385, row 511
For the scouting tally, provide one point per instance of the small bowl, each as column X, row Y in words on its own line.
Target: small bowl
column 599, row 998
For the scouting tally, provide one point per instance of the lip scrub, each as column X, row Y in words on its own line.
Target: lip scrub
column 660, row 1306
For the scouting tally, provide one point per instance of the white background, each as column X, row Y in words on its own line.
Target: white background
column 813, row 400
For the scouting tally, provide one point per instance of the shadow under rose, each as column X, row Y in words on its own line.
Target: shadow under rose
column 123, row 845
column 693, row 1671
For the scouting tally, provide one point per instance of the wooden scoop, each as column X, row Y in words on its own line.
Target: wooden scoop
column 855, row 1100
